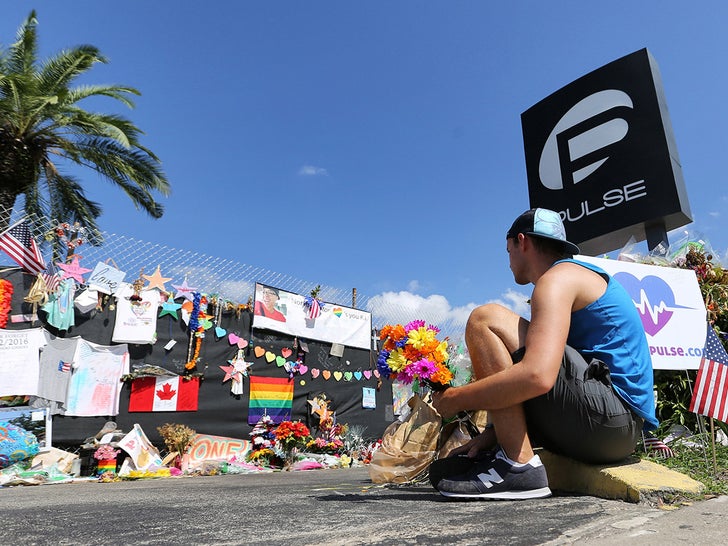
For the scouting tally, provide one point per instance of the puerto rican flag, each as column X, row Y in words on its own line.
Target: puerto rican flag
column 64, row 366
column 165, row 393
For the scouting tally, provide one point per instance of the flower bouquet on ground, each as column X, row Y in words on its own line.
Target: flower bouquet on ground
column 413, row 353
column 105, row 456
column 105, row 452
column 264, row 440
column 177, row 439
column 290, row 436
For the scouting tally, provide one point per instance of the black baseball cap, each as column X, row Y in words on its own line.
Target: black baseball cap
column 542, row 223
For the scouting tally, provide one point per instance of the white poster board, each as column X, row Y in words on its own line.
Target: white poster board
column 285, row 312
column 671, row 307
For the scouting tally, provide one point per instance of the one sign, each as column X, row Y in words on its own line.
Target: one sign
column 287, row 313
column 601, row 151
column 206, row 447
column 671, row 307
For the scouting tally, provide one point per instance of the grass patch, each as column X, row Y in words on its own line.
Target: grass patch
column 697, row 462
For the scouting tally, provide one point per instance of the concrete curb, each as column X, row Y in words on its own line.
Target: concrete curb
column 634, row 480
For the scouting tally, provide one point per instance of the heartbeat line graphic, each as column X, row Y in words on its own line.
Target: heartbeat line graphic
column 653, row 311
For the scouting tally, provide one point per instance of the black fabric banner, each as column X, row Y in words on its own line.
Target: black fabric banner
column 220, row 412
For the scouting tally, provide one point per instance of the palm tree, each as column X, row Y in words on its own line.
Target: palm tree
column 42, row 126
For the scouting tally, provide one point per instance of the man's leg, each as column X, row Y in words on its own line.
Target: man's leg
column 492, row 334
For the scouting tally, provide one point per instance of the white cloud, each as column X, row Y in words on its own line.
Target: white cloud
column 402, row 307
column 311, row 170
column 516, row 302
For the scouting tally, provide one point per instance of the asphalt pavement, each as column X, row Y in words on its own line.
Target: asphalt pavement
column 339, row 506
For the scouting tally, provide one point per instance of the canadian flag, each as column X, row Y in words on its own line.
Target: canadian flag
column 164, row 394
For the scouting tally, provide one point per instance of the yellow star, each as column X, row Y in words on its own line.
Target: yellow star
column 157, row 281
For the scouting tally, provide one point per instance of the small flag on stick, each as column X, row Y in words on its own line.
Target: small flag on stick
column 654, row 445
column 711, row 385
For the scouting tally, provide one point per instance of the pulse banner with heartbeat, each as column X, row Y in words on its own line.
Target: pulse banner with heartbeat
column 671, row 308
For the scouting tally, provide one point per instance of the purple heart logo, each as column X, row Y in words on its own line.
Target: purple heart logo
column 653, row 298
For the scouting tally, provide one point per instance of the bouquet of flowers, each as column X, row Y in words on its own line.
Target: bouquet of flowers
column 413, row 352
column 105, row 453
column 291, row 434
column 177, row 437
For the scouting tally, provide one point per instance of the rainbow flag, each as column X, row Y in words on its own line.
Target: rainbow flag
column 272, row 396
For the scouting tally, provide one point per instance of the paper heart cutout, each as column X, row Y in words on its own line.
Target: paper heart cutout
column 270, row 357
column 357, row 375
column 376, row 373
column 232, row 338
column 242, row 343
column 326, row 374
column 302, row 369
column 368, row 374
column 286, row 352
column 315, row 372
column 348, row 376
column 338, row 375
column 220, row 332
column 259, row 351
column 280, row 361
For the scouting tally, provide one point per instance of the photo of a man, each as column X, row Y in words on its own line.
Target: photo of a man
column 267, row 304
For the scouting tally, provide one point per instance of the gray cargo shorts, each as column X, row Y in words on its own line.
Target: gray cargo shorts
column 582, row 417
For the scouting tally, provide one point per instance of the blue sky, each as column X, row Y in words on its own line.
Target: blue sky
column 376, row 145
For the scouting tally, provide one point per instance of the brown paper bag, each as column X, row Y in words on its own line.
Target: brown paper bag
column 408, row 447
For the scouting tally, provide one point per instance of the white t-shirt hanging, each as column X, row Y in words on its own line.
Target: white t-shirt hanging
column 136, row 322
column 95, row 383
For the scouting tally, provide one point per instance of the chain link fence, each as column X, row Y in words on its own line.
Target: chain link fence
column 230, row 280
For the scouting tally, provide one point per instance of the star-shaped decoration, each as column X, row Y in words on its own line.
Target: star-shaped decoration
column 235, row 371
column 184, row 291
column 157, row 281
column 73, row 270
column 231, row 373
column 320, row 407
column 170, row 308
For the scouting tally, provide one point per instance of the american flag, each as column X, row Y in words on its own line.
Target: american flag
column 709, row 394
column 658, row 447
column 64, row 366
column 52, row 280
column 19, row 244
column 313, row 307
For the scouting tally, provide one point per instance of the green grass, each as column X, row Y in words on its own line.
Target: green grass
column 698, row 463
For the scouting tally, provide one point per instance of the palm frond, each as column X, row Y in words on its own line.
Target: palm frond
column 23, row 52
column 57, row 73
column 116, row 92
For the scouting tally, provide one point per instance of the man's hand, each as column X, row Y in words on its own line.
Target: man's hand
column 445, row 402
column 483, row 442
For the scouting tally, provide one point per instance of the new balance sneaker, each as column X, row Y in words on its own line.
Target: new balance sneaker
column 499, row 478
column 455, row 465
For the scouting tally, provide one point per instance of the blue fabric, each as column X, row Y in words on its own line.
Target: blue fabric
column 610, row 330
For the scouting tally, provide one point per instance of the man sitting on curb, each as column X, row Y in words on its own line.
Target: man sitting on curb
column 577, row 379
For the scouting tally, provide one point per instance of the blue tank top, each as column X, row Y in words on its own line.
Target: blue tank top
column 610, row 329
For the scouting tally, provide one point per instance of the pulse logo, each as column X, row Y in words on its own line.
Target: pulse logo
column 654, row 299
column 578, row 144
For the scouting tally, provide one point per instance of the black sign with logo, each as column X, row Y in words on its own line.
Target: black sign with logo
column 601, row 152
